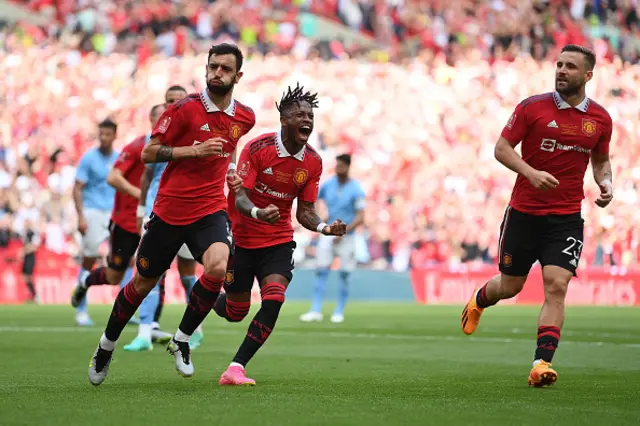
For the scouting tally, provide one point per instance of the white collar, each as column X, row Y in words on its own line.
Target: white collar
column 562, row 104
column 282, row 151
column 211, row 107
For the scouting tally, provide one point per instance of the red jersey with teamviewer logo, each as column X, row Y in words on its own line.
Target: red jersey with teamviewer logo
column 558, row 139
column 273, row 176
column 130, row 164
column 194, row 188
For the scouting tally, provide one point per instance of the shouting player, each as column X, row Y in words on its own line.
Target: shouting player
column 276, row 168
column 560, row 132
column 197, row 136
column 93, row 198
column 124, row 236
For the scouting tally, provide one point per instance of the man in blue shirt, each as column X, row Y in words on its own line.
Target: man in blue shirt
column 93, row 198
column 344, row 198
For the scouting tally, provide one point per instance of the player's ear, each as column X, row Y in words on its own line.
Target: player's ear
column 283, row 120
column 239, row 75
column 589, row 76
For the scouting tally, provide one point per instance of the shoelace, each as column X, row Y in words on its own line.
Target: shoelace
column 183, row 347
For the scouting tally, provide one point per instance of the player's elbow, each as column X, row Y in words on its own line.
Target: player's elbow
column 112, row 178
column 501, row 148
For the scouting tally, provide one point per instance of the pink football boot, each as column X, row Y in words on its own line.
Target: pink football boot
column 236, row 376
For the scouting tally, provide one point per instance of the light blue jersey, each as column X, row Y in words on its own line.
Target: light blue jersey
column 343, row 201
column 157, row 170
column 92, row 171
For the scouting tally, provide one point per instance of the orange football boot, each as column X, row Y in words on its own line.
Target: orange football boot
column 471, row 314
column 542, row 375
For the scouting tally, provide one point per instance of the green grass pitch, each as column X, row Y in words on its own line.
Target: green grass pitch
column 388, row 364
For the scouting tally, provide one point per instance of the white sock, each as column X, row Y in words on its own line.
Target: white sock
column 155, row 325
column 181, row 337
column 144, row 331
column 199, row 329
column 236, row 364
column 536, row 362
column 107, row 344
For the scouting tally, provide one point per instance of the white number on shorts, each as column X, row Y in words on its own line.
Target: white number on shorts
column 570, row 251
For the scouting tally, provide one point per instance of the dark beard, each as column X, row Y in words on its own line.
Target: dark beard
column 219, row 90
column 569, row 90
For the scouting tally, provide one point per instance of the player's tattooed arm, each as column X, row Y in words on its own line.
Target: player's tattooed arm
column 243, row 203
column 307, row 215
column 145, row 183
column 601, row 165
column 156, row 152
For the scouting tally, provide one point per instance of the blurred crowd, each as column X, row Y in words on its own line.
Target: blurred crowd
column 421, row 130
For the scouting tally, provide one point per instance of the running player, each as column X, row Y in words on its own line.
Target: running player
column 124, row 237
column 198, row 136
column 276, row 168
column 344, row 198
column 560, row 132
column 94, row 198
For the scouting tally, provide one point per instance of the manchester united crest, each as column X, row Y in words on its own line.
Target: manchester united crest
column 506, row 260
column 228, row 277
column 588, row 127
column 144, row 262
column 300, row 176
column 235, row 131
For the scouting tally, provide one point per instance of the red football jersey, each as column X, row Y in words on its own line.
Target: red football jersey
column 557, row 139
column 193, row 188
column 273, row 176
column 130, row 164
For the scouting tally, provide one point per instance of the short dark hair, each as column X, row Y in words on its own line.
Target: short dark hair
column 345, row 158
column 155, row 107
column 176, row 88
column 293, row 98
column 108, row 124
column 589, row 56
column 227, row 49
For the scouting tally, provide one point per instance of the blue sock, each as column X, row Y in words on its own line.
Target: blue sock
column 147, row 309
column 127, row 277
column 343, row 293
column 188, row 282
column 82, row 307
column 322, row 276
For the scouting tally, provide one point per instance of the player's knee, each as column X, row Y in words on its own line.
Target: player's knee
column 274, row 292
column 216, row 269
column 555, row 289
column 144, row 285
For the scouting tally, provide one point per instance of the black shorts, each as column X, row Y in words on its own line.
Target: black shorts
column 122, row 246
column 247, row 264
column 162, row 241
column 28, row 264
column 551, row 239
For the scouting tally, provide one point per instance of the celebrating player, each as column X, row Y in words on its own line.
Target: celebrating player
column 344, row 198
column 276, row 168
column 151, row 307
column 123, row 243
column 559, row 131
column 93, row 198
column 197, row 135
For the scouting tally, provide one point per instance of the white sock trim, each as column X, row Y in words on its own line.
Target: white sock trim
column 144, row 331
column 236, row 364
column 182, row 337
column 107, row 344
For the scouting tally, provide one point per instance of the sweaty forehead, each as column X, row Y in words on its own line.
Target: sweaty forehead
column 226, row 59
